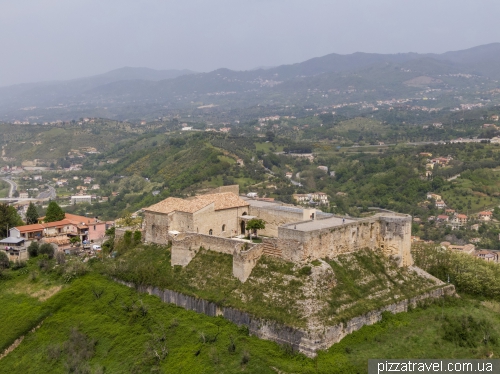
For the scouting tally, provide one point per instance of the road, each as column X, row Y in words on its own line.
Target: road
column 13, row 186
column 49, row 194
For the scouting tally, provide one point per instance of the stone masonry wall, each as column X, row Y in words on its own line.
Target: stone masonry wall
column 245, row 255
column 389, row 232
column 227, row 219
column 156, row 227
column 307, row 342
column 274, row 218
column 244, row 260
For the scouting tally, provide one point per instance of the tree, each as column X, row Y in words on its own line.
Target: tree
column 33, row 249
column 270, row 136
column 46, row 249
column 54, row 212
column 8, row 219
column 31, row 214
column 256, row 224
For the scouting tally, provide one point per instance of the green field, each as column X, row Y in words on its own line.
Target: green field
column 268, row 147
column 93, row 325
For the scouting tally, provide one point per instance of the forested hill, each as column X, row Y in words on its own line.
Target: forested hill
column 331, row 79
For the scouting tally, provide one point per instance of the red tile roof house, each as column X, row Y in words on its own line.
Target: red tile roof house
column 61, row 232
column 440, row 204
column 443, row 218
column 459, row 219
column 485, row 216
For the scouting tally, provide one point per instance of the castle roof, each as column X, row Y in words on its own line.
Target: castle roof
column 225, row 200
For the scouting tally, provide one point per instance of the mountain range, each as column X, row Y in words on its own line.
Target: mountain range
column 331, row 79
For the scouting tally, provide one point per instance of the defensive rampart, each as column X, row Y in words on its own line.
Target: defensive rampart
column 330, row 237
column 307, row 342
column 245, row 254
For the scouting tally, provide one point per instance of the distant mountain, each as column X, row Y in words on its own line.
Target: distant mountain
column 55, row 92
column 139, row 92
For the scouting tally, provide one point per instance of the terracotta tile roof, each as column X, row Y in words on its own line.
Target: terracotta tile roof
column 221, row 201
column 57, row 223
column 486, row 213
column 73, row 218
column 30, row 228
column 224, row 200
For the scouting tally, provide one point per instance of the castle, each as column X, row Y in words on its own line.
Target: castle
column 217, row 221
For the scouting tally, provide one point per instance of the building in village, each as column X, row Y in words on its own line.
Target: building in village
column 59, row 233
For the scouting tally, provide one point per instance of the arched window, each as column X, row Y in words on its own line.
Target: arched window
column 210, row 232
column 223, row 228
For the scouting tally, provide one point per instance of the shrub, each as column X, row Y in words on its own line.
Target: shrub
column 466, row 331
column 306, row 270
column 137, row 236
column 33, row 249
column 46, row 249
column 245, row 358
column 79, row 350
column 60, row 258
column 4, row 260
column 127, row 237
column 18, row 265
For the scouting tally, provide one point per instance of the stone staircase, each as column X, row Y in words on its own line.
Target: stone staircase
column 269, row 249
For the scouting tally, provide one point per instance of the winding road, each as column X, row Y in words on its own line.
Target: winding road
column 13, row 186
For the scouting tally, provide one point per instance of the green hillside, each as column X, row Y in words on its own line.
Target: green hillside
column 86, row 323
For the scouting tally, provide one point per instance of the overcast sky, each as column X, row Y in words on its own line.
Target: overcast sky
column 63, row 39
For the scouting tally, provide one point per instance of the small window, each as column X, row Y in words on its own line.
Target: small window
column 210, row 232
column 223, row 228
column 94, row 227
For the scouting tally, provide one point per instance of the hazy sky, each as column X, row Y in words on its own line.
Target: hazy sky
column 63, row 39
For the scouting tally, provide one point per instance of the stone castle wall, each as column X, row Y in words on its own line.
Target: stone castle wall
column 156, row 227
column 235, row 188
column 274, row 218
column 306, row 342
column 390, row 233
column 223, row 223
column 245, row 255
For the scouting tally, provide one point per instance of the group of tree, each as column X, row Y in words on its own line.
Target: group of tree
column 35, row 249
column 8, row 219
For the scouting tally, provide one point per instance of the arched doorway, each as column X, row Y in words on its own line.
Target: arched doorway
column 242, row 226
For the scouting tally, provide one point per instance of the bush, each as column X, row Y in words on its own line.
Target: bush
column 4, row 260
column 46, row 249
column 306, row 270
column 137, row 236
column 466, row 331
column 127, row 237
column 60, row 258
column 33, row 249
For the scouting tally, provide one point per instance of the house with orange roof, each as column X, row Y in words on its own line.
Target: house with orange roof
column 459, row 220
column 485, row 216
column 60, row 232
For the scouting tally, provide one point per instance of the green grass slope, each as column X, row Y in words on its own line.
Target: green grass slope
column 296, row 295
column 93, row 325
